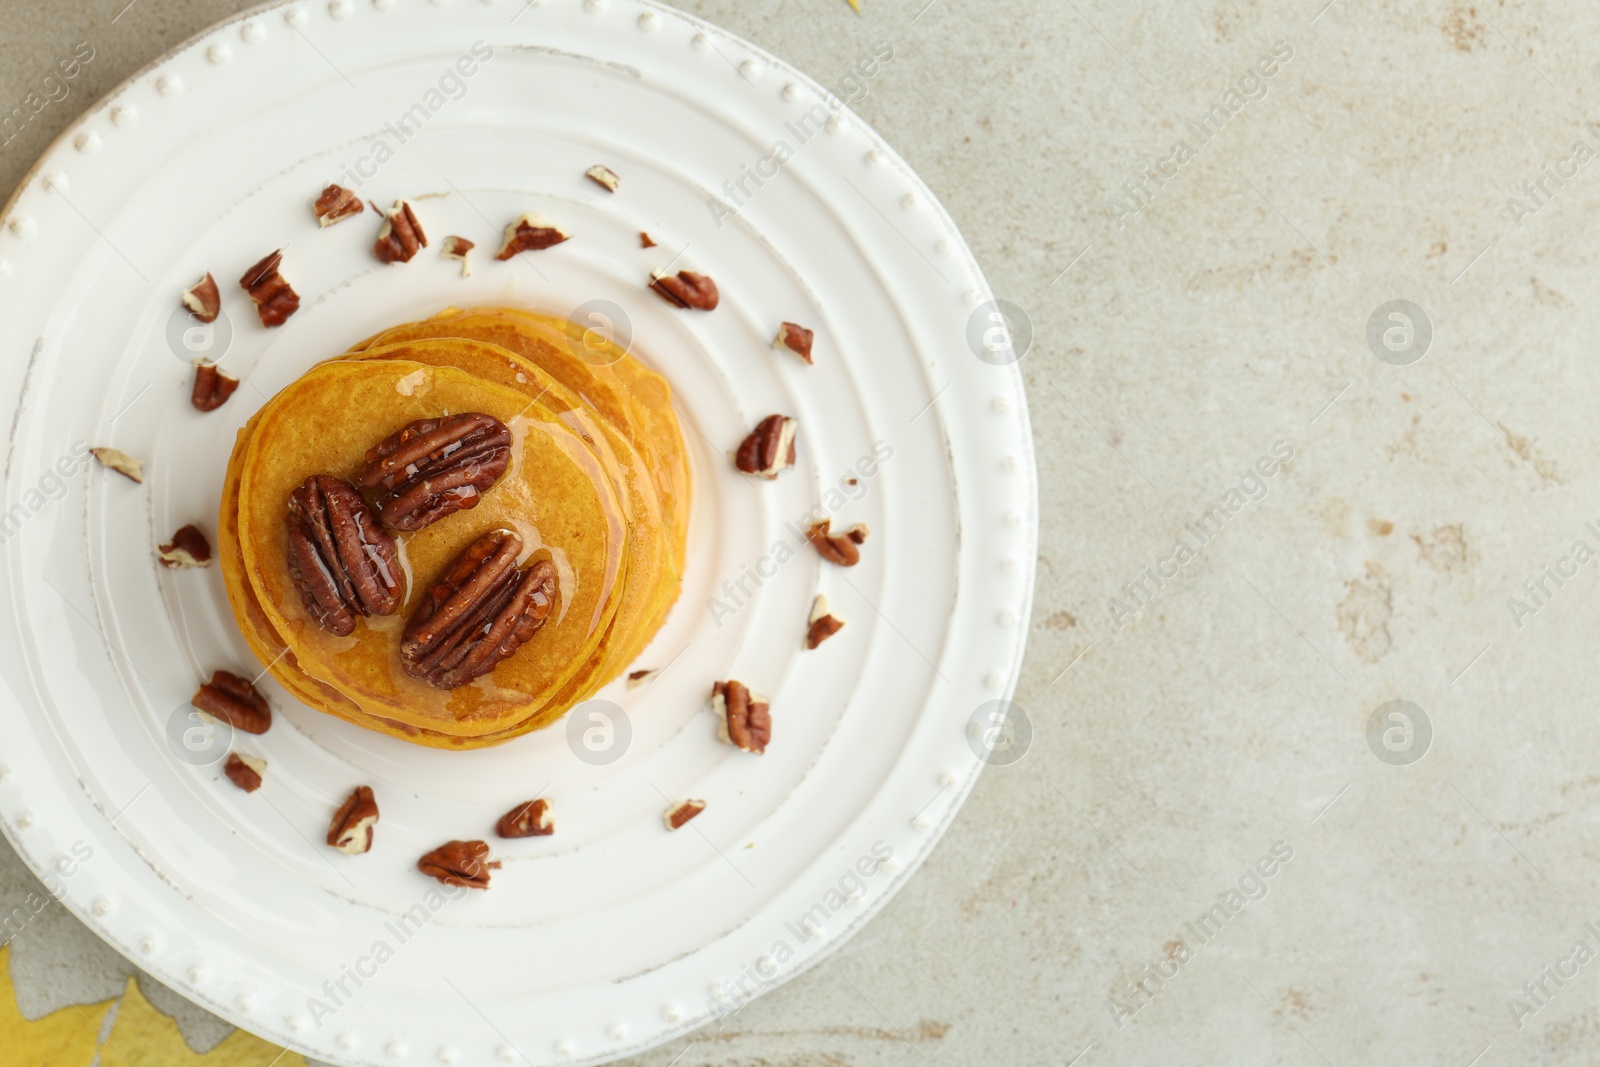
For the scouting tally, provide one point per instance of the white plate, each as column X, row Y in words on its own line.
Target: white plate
column 613, row 935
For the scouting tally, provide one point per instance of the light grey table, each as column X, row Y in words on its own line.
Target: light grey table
column 1222, row 847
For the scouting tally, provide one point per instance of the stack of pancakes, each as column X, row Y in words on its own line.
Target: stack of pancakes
column 597, row 483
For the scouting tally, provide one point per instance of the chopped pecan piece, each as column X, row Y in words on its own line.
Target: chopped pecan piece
column 244, row 772
column 275, row 299
column 457, row 248
column 638, row 678
column 459, row 863
column 821, row 625
column 234, row 700
column 436, row 467
column 645, row 240
column 796, row 339
column 744, row 719
column 341, row 560
column 203, row 300
column 604, row 177
column 335, row 205
column 682, row 812
column 769, row 448
column 841, row 548
column 351, row 829
column 478, row 613
column 189, row 548
column 686, row 289
column 532, row 819
column 121, row 462
column 400, row 235
column 530, row 233
column 212, row 388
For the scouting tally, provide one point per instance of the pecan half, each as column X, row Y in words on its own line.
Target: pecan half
column 400, row 235
column 461, row 863
column 335, row 205
column 234, row 700
column 682, row 812
column 203, row 300
column 189, row 548
column 530, row 233
column 744, row 718
column 821, row 625
column 645, row 240
column 119, row 461
column 478, row 613
column 769, row 448
column 686, row 289
column 436, row 467
column 841, row 548
column 212, row 388
column 339, row 557
column 244, row 772
column 796, row 339
column 351, row 829
column 457, row 248
column 275, row 299
column 604, row 177
column 532, row 819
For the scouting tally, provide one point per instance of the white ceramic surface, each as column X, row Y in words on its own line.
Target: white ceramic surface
column 613, row 935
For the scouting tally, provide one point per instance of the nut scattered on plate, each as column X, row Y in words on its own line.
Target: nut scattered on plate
column 275, row 298
column 235, row 701
column 203, row 300
column 838, row 548
column 212, row 388
column 744, row 718
column 604, row 177
column 189, row 548
column 459, row 863
column 686, row 289
column 351, row 829
column 770, row 447
column 244, row 771
column 400, row 235
column 530, row 233
column 638, row 678
column 682, row 812
column 121, row 462
column 456, row 247
column 533, row 819
column 821, row 625
column 335, row 205
column 796, row 339
column 645, row 240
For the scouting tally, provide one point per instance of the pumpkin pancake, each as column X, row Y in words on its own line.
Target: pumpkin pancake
column 597, row 485
column 555, row 494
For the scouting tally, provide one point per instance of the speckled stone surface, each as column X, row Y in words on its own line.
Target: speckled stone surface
column 1226, row 844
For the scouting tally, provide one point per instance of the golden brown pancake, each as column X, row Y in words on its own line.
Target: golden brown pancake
column 597, row 484
column 555, row 495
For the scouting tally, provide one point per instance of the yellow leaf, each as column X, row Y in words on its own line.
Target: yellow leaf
column 855, row 4
column 143, row 1037
column 65, row 1038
